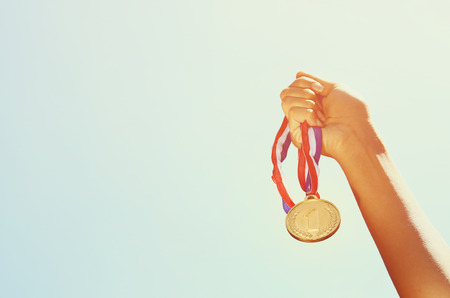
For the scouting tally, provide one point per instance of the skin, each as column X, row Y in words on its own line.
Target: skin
column 415, row 255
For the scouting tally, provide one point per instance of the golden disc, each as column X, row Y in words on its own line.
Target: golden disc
column 313, row 220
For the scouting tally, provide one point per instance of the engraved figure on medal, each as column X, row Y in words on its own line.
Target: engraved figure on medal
column 313, row 220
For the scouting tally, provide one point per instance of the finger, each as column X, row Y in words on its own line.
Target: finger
column 290, row 102
column 328, row 86
column 298, row 92
column 301, row 92
column 305, row 82
column 298, row 115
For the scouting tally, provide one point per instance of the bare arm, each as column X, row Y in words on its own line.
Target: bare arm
column 415, row 255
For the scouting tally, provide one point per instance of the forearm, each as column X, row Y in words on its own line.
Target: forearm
column 416, row 256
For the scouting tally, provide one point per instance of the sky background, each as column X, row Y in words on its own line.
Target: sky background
column 136, row 140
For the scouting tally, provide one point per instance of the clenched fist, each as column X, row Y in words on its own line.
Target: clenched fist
column 342, row 116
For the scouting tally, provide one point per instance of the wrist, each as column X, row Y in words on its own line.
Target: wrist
column 363, row 140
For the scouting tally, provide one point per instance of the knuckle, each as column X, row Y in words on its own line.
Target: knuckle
column 309, row 94
column 310, row 113
column 310, row 104
column 290, row 99
column 311, row 116
column 305, row 80
column 284, row 106
column 283, row 93
column 291, row 112
column 299, row 74
column 300, row 80
column 294, row 113
column 295, row 136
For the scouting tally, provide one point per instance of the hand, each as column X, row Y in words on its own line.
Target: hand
column 341, row 115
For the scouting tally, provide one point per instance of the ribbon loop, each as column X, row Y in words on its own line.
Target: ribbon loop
column 308, row 165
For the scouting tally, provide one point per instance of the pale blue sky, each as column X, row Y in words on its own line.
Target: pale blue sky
column 136, row 138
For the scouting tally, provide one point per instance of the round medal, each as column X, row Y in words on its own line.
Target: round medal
column 313, row 220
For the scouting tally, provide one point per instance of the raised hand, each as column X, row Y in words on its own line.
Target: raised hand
column 341, row 115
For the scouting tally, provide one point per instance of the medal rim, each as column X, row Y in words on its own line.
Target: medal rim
column 318, row 239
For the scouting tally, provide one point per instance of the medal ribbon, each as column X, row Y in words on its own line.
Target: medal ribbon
column 308, row 164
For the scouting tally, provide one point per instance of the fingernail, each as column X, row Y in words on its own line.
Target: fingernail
column 317, row 87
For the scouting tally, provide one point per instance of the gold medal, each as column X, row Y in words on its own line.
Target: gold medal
column 313, row 220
